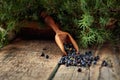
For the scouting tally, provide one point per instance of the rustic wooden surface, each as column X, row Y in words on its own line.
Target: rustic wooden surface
column 21, row 60
column 95, row 72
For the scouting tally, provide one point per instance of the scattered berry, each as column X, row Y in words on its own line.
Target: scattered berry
column 80, row 60
column 46, row 56
column 96, row 58
column 79, row 70
column 94, row 62
column 42, row 54
column 67, row 64
column 104, row 63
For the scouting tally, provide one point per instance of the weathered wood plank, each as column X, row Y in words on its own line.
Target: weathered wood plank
column 21, row 60
column 84, row 75
column 95, row 72
column 115, row 60
column 71, row 73
column 95, row 69
column 64, row 73
column 108, row 73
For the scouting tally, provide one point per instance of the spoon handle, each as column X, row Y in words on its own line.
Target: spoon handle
column 50, row 22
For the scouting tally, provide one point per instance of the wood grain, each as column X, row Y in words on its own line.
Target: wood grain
column 21, row 60
column 95, row 72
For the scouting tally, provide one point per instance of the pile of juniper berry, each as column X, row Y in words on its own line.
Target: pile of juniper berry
column 80, row 60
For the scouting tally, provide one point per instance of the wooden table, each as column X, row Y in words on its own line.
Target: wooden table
column 21, row 60
column 95, row 72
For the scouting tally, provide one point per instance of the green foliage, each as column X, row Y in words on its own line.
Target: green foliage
column 94, row 20
column 13, row 12
column 90, row 35
column 86, row 19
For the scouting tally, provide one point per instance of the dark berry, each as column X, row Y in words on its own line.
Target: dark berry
column 70, row 45
column 78, row 52
column 79, row 70
column 42, row 54
column 47, row 56
column 104, row 63
column 90, row 52
column 61, row 62
column 83, row 64
column 73, row 50
column 94, row 62
column 96, row 58
column 88, row 64
column 91, row 58
column 67, row 64
column 74, row 63
column 73, row 54
column 87, row 57
column 78, row 61
column 73, row 59
column 86, row 53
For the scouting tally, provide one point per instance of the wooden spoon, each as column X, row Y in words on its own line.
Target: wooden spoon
column 61, row 37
